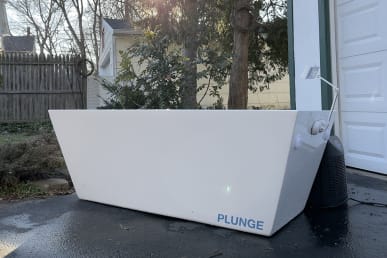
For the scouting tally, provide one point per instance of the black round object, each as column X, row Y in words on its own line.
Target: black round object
column 329, row 189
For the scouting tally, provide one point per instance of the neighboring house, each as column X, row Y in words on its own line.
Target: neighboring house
column 116, row 35
column 348, row 39
column 13, row 44
column 17, row 44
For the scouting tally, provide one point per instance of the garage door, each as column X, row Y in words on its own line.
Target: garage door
column 362, row 61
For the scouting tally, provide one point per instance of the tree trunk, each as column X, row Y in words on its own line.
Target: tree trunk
column 238, row 93
column 127, row 10
column 95, row 6
column 190, row 50
column 190, row 77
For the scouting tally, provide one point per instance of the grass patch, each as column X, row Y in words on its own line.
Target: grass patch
column 15, row 138
column 20, row 191
column 31, row 128
column 13, row 133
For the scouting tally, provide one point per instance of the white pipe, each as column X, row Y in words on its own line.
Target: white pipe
column 336, row 91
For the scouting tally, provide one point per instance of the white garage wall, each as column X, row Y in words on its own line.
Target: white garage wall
column 306, row 53
column 362, row 67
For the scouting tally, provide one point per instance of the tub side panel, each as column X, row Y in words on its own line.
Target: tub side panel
column 305, row 155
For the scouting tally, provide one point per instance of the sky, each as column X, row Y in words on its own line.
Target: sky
column 17, row 25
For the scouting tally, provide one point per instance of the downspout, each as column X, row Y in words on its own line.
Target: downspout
column 325, row 53
column 291, row 65
column 334, row 63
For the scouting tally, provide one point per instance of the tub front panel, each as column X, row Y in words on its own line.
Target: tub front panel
column 223, row 168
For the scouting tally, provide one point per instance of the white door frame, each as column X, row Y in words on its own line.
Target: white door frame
column 334, row 63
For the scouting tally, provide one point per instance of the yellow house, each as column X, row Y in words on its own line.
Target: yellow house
column 277, row 96
column 119, row 35
column 116, row 35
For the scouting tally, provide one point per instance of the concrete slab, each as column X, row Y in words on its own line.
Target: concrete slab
column 67, row 227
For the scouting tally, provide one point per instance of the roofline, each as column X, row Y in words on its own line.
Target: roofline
column 126, row 32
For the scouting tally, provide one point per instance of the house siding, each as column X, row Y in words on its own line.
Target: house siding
column 122, row 44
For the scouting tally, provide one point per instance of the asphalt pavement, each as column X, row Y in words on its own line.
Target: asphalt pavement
column 65, row 226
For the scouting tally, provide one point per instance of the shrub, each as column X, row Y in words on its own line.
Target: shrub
column 29, row 160
column 26, row 128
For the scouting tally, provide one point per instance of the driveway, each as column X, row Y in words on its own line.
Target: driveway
column 67, row 227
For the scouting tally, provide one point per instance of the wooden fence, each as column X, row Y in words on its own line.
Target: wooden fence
column 32, row 84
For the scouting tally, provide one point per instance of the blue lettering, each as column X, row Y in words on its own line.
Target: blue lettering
column 242, row 221
column 234, row 222
column 260, row 225
column 225, row 220
column 251, row 223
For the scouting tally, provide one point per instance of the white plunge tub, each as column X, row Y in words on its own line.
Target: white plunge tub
column 245, row 170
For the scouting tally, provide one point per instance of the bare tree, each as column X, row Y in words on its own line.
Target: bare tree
column 83, row 20
column 73, row 12
column 75, row 25
column 122, row 9
column 45, row 18
column 95, row 11
column 82, row 25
